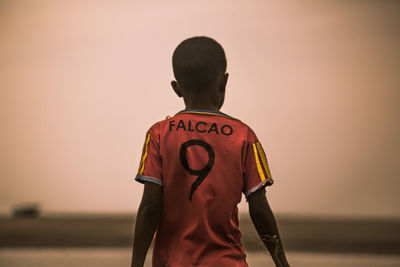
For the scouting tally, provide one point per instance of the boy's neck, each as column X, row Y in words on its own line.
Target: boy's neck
column 204, row 102
column 203, row 107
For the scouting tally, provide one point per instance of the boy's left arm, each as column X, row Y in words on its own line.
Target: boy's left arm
column 147, row 220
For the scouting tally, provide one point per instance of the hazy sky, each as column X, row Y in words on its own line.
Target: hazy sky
column 318, row 81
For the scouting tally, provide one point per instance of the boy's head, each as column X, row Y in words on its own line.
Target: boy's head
column 199, row 66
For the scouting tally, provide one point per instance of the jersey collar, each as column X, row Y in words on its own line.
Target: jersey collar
column 205, row 112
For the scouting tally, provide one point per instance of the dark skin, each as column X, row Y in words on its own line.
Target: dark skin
column 147, row 220
column 211, row 99
column 150, row 209
column 264, row 221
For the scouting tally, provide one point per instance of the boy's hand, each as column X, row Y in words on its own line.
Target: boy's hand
column 147, row 220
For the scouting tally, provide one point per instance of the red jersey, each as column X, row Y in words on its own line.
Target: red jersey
column 204, row 160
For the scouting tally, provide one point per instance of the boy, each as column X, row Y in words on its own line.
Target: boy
column 195, row 166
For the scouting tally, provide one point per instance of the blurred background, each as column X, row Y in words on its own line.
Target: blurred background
column 318, row 81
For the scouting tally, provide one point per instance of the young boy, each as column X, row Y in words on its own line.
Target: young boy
column 195, row 166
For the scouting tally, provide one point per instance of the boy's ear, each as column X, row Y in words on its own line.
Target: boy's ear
column 224, row 81
column 176, row 88
column 226, row 76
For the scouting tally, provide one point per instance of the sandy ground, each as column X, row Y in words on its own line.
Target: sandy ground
column 99, row 257
column 298, row 234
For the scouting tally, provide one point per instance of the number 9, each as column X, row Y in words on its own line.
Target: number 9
column 201, row 173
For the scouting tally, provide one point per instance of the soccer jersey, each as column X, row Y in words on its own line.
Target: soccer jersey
column 204, row 160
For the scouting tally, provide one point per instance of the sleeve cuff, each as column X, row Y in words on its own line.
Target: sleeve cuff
column 143, row 178
column 266, row 182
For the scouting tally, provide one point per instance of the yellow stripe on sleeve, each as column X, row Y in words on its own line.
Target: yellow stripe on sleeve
column 264, row 160
column 144, row 156
column 259, row 168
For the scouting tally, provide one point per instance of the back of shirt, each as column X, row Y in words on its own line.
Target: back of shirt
column 204, row 161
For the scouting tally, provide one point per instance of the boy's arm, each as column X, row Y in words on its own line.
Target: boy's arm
column 147, row 220
column 265, row 224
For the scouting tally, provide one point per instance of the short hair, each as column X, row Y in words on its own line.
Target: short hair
column 197, row 62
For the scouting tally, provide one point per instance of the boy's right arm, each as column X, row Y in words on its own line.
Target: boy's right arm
column 147, row 220
column 265, row 224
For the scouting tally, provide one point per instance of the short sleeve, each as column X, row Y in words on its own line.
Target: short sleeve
column 256, row 170
column 150, row 168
